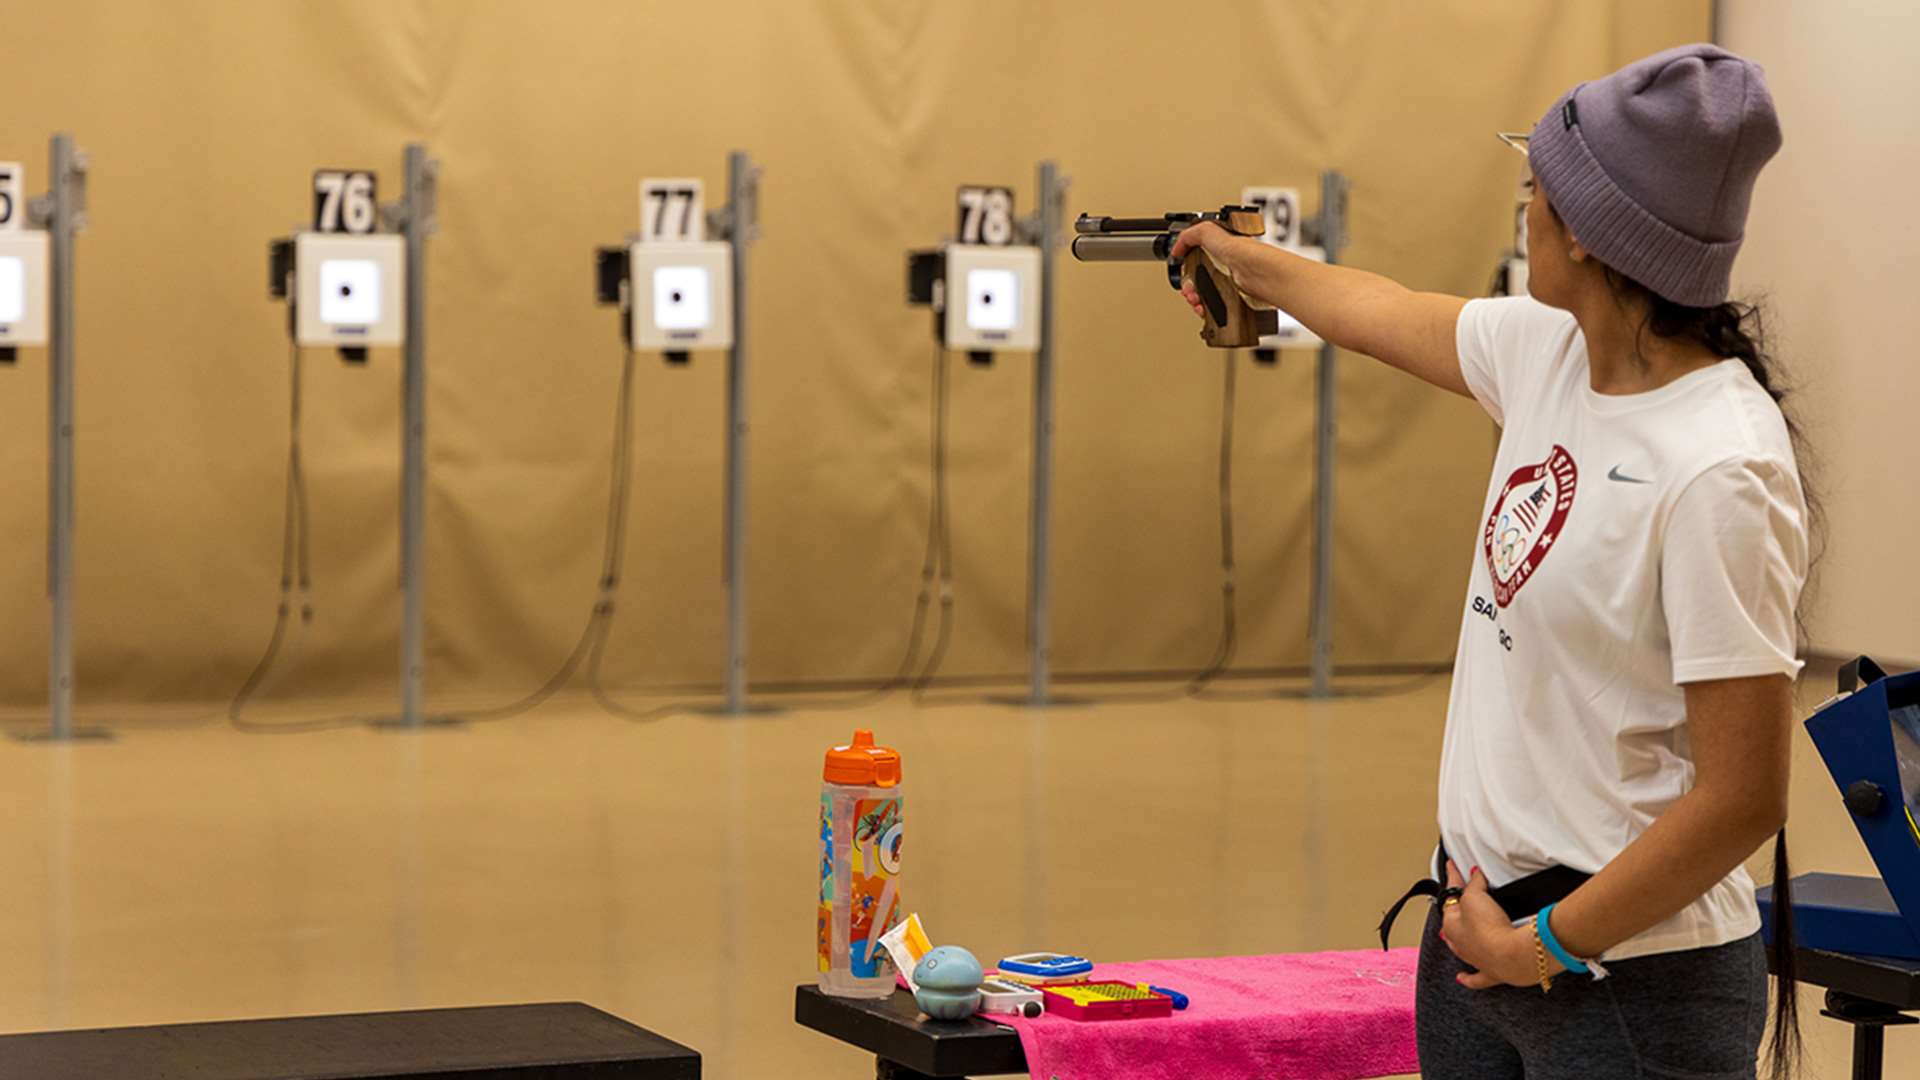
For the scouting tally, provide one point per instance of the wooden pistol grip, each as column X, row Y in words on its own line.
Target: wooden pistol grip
column 1229, row 323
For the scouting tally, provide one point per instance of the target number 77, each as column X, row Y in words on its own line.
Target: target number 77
column 672, row 211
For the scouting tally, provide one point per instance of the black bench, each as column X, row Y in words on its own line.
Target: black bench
column 907, row 1045
column 564, row 1041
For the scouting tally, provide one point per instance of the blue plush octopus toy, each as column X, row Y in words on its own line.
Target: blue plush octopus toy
column 949, row 983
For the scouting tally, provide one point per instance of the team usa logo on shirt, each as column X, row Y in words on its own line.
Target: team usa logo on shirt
column 1526, row 521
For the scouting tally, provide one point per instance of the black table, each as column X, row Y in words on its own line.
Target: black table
column 1873, row 993
column 565, row 1041
column 907, row 1045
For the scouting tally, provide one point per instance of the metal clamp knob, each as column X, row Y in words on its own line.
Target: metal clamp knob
column 1864, row 798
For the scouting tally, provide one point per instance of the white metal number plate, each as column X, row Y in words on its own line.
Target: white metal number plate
column 345, row 201
column 672, row 211
column 986, row 216
column 1280, row 209
column 13, row 195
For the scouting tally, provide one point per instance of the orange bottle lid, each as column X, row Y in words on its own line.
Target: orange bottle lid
column 863, row 763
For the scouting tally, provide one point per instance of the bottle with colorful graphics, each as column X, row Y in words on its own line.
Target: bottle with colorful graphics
column 860, row 832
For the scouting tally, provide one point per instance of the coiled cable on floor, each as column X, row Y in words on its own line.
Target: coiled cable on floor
column 296, row 577
column 1229, row 623
column 592, row 643
column 1229, row 632
column 936, row 567
column 939, row 532
column 1200, row 686
column 1229, row 615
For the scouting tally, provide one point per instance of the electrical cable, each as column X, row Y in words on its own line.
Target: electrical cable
column 1229, row 632
column 939, row 528
column 936, row 570
column 591, row 645
column 297, row 494
column 1197, row 686
column 936, row 563
column 1395, row 689
column 1223, row 652
column 295, row 571
column 1229, row 627
column 1143, row 676
column 1229, row 615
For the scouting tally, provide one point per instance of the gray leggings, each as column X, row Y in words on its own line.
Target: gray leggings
column 1693, row 1015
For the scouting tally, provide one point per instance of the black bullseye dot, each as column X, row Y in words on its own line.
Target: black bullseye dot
column 674, row 297
column 986, row 298
column 346, row 290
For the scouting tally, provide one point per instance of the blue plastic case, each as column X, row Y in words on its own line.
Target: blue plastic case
column 1046, row 965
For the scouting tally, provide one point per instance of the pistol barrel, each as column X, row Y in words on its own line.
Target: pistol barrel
column 1094, row 247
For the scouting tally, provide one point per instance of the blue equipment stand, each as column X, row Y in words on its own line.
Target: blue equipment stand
column 1859, row 936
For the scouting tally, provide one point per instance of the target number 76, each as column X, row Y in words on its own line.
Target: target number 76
column 344, row 202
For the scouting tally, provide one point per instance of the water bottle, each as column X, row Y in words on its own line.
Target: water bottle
column 860, row 832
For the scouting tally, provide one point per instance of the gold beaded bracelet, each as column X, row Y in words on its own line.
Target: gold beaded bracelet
column 1540, row 957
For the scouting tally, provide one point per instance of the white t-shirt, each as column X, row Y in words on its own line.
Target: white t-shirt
column 1629, row 544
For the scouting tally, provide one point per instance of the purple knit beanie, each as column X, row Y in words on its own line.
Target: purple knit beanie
column 1652, row 167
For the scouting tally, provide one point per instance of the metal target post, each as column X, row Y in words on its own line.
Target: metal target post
column 416, row 216
column 1332, row 230
column 66, row 167
column 351, row 286
column 739, row 222
column 705, row 255
column 63, row 211
column 1045, row 226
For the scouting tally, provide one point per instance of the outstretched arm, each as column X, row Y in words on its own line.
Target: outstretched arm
column 1354, row 309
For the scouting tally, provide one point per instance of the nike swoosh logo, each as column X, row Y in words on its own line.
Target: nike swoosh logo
column 1615, row 474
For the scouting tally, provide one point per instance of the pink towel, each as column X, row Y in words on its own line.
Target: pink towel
column 1301, row 1016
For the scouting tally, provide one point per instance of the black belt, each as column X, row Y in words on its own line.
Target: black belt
column 1518, row 899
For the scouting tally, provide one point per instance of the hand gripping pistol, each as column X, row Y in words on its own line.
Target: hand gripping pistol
column 1231, row 320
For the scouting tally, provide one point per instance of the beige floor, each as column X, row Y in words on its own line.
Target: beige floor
column 664, row 871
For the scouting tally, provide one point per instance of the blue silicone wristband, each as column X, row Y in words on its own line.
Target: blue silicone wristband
column 1543, row 925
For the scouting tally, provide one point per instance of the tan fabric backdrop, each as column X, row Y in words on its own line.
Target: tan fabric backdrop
column 205, row 118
